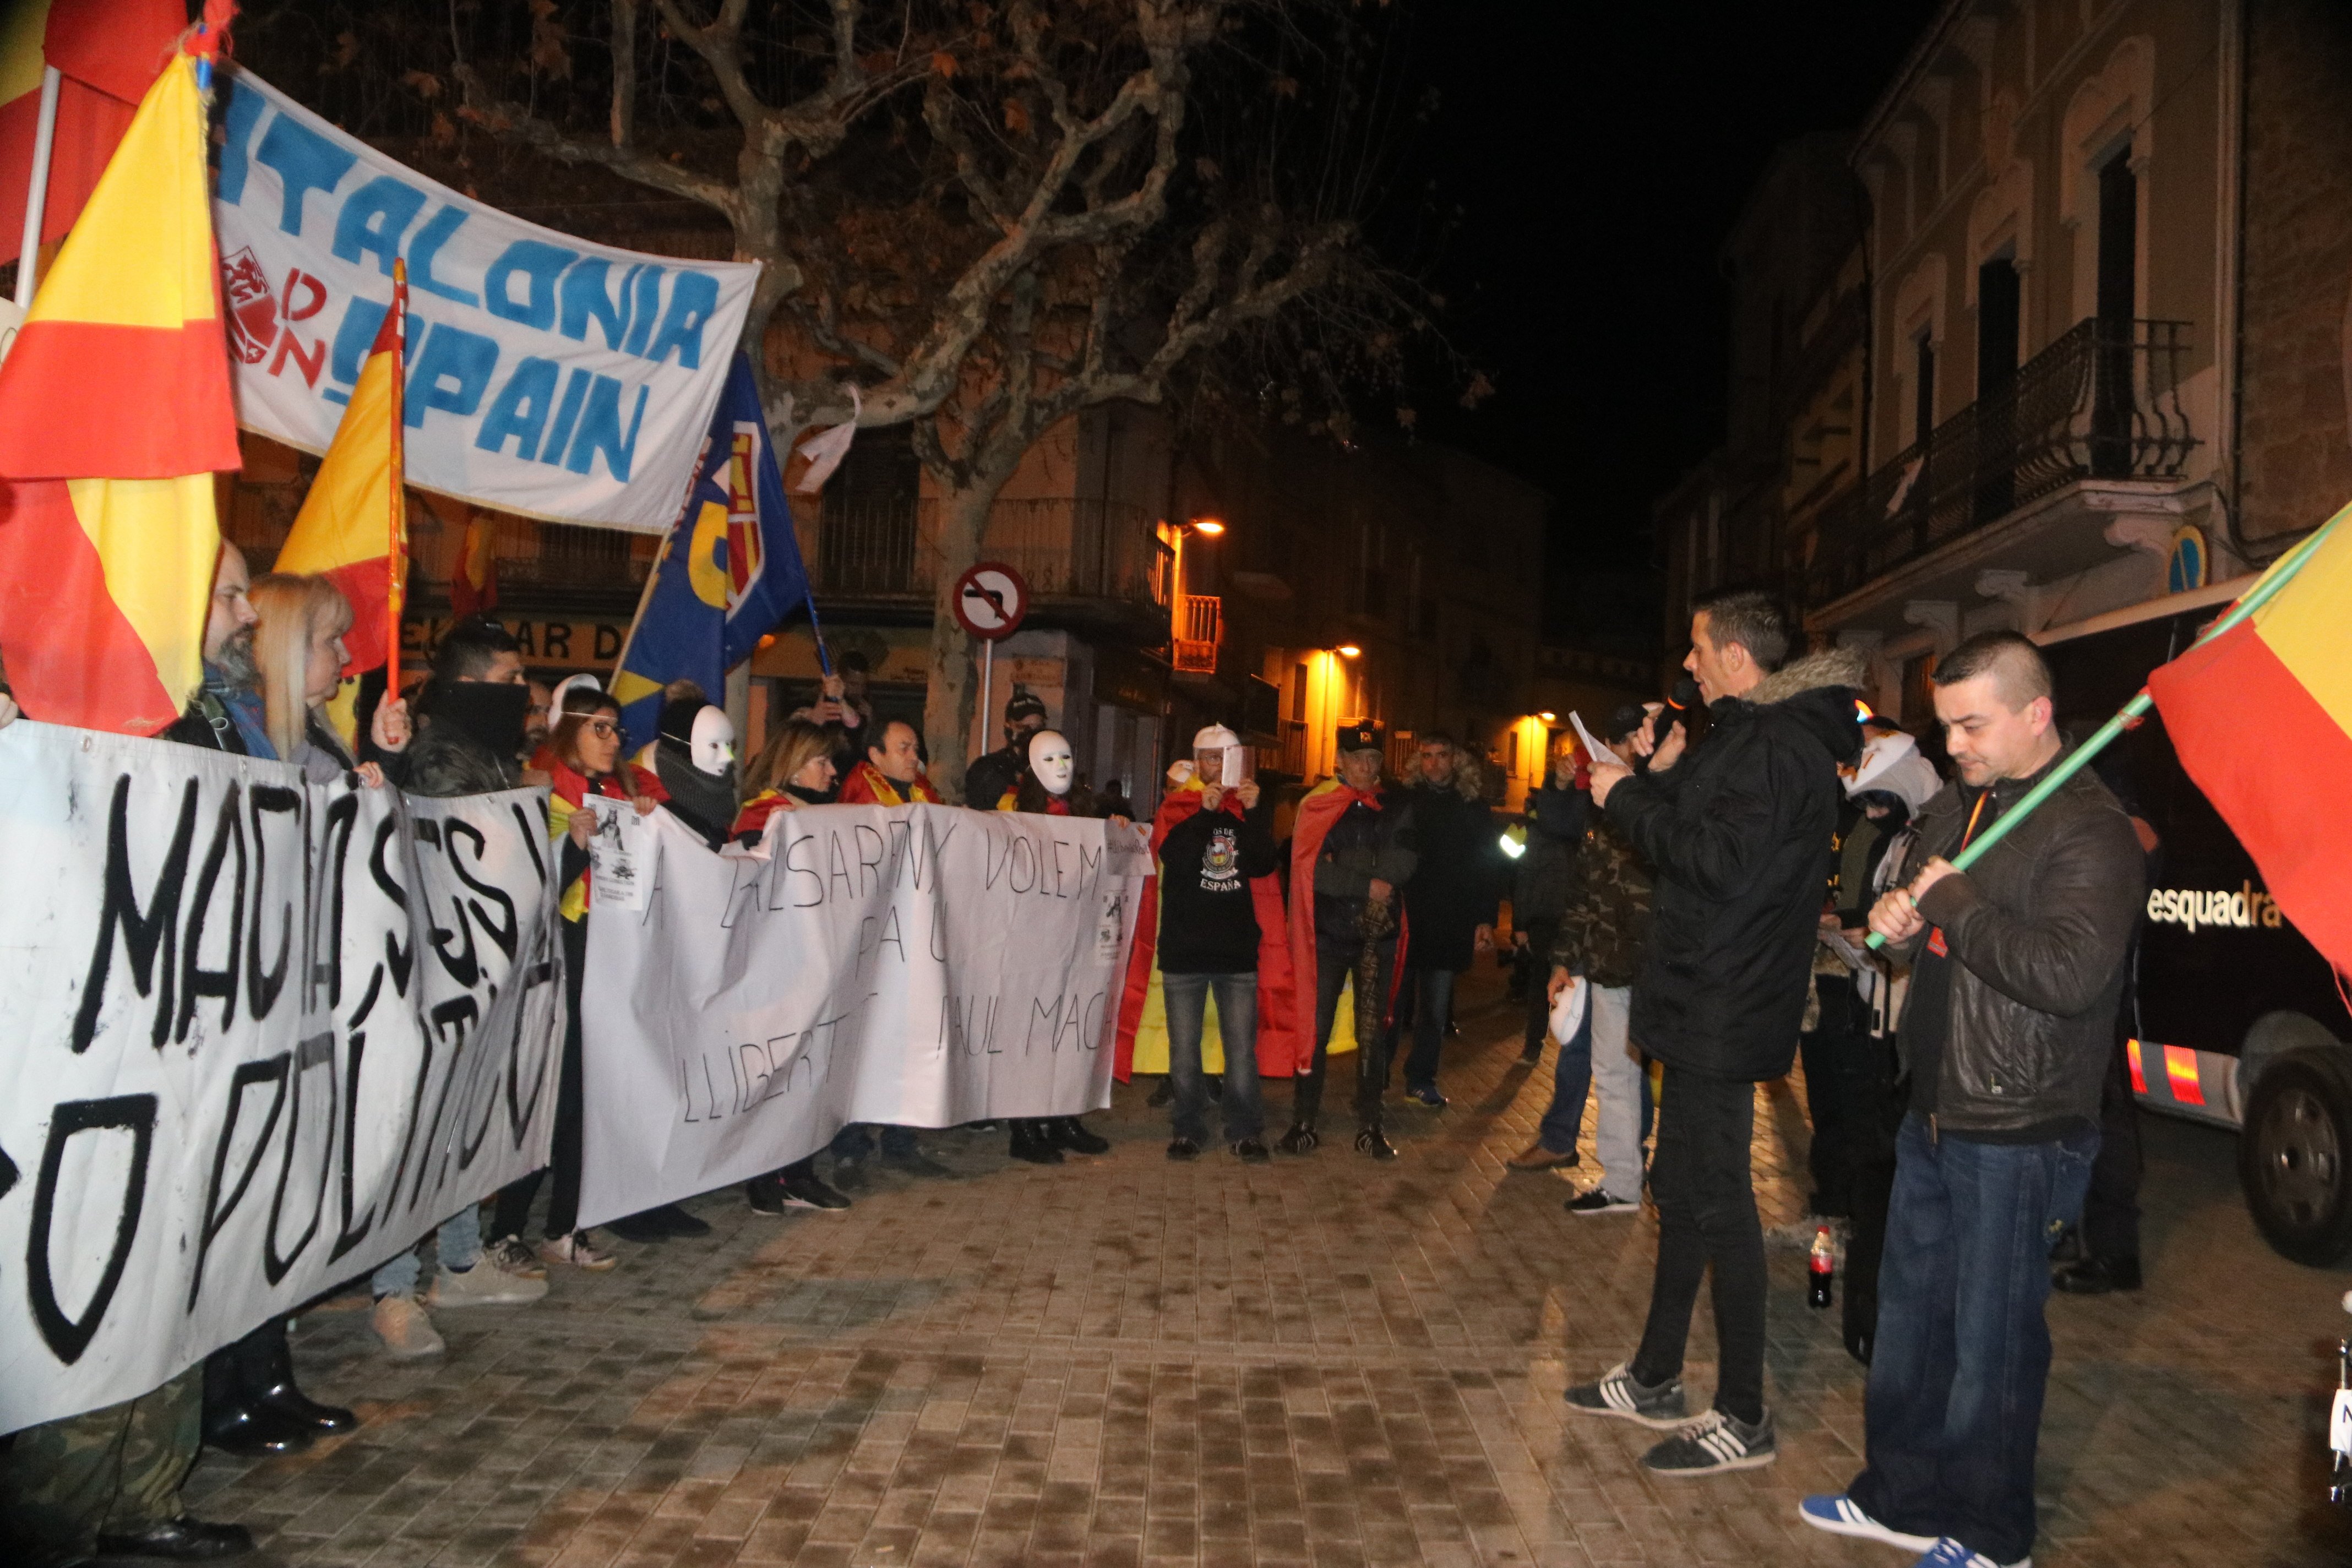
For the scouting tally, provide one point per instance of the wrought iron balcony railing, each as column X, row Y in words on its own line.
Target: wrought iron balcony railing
column 1065, row 547
column 1199, row 631
column 2103, row 402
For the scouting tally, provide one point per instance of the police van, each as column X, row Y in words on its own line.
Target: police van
column 2233, row 1018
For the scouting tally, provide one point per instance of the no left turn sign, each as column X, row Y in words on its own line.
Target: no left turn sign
column 991, row 600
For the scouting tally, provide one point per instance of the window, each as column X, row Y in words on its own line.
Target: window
column 1923, row 388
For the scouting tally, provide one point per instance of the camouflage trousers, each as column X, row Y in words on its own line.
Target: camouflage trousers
column 115, row 1470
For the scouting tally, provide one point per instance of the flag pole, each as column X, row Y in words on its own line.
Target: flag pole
column 36, row 190
column 2280, row 573
column 653, row 575
column 397, row 588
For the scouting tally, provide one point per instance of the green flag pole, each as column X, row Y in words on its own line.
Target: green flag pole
column 2280, row 573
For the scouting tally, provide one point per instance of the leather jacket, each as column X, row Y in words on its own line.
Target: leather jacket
column 2038, row 932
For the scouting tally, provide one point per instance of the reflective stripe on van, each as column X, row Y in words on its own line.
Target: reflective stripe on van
column 2199, row 1085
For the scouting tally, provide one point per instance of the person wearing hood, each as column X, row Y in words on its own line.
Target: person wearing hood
column 694, row 758
column 474, row 708
column 1450, row 905
column 992, row 774
column 1739, row 831
column 1048, row 775
column 1841, row 1051
column 891, row 772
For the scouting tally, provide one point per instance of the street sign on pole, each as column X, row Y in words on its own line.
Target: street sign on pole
column 991, row 601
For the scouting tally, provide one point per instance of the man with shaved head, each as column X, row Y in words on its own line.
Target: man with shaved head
column 2018, row 968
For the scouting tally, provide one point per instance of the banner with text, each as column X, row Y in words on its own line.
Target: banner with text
column 913, row 966
column 548, row 375
column 261, row 1035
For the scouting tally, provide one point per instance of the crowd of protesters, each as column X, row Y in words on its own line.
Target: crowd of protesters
column 1688, row 913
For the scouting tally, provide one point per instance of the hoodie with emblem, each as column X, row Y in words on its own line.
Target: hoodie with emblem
column 1208, row 921
column 1740, row 833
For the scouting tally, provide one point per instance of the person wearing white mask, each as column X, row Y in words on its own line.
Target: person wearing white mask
column 694, row 757
column 1044, row 788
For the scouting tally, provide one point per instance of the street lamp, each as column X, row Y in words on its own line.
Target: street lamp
column 1548, row 716
column 1347, row 650
column 1208, row 525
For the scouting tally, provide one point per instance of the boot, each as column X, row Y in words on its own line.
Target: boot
column 1031, row 1143
column 268, row 1379
column 1069, row 1132
column 233, row 1424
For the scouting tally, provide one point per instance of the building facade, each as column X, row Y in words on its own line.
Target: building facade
column 2094, row 341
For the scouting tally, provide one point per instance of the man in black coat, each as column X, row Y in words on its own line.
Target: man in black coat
column 1740, row 832
column 1449, row 905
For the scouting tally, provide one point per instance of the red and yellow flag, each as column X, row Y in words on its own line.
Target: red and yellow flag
column 114, row 415
column 2283, row 798
column 107, row 53
column 354, row 525
column 474, row 573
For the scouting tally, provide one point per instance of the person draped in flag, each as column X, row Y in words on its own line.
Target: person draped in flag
column 1354, row 847
column 2017, row 972
column 891, row 772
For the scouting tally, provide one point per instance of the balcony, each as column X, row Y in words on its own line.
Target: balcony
column 1199, row 631
column 2101, row 403
column 1065, row 548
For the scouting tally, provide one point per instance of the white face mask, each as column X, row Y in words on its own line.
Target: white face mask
column 1049, row 759
column 713, row 743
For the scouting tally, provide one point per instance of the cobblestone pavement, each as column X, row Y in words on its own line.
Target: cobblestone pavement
column 1134, row 1363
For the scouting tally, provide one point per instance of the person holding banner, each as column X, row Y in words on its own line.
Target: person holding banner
column 892, row 771
column 584, row 749
column 795, row 770
column 694, row 758
column 473, row 726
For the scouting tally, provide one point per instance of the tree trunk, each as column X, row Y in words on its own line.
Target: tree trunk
column 953, row 693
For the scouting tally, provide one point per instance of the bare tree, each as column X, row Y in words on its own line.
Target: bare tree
column 988, row 214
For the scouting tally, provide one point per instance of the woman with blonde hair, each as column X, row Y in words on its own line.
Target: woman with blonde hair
column 793, row 769
column 298, row 648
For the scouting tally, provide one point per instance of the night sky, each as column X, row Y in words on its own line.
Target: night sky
column 1600, row 153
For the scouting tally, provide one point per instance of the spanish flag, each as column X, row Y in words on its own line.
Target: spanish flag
column 114, row 415
column 2287, row 661
column 107, row 53
column 354, row 525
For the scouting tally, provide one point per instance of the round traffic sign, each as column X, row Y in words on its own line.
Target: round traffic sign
column 989, row 601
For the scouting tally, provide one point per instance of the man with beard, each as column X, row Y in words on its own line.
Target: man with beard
column 538, row 722
column 110, row 1478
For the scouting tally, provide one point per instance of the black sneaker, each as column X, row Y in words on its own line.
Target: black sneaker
column 849, row 1175
column 1599, row 1202
column 2098, row 1275
column 1184, row 1149
column 1163, row 1093
column 1031, row 1143
column 1069, row 1132
column 1252, row 1150
column 637, row 1228
column 1713, row 1443
column 1300, row 1140
column 765, row 1194
column 810, row 1192
column 677, row 1221
column 1426, row 1095
column 1370, row 1141
column 1616, row 1394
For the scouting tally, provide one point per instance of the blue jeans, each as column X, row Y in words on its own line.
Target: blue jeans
column 1953, row 1408
column 1188, row 1000
column 1427, row 998
column 457, row 1244
column 1571, row 1082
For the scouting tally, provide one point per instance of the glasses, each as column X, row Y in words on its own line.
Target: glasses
column 603, row 729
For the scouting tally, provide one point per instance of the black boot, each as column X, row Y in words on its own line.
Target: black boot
column 232, row 1422
column 1069, row 1132
column 1031, row 1143
column 268, row 1371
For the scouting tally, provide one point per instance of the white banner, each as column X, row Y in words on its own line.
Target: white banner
column 258, row 1036
column 548, row 375
column 919, row 965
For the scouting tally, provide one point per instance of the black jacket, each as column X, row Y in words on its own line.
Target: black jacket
column 2038, row 931
column 993, row 772
column 444, row 762
column 1363, row 847
column 1208, row 914
column 1740, row 835
column 1458, row 882
column 1545, row 880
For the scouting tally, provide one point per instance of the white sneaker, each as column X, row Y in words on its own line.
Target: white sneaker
column 575, row 1251
column 406, row 1332
column 484, row 1285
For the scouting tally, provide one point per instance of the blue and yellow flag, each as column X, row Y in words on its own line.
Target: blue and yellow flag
column 730, row 571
